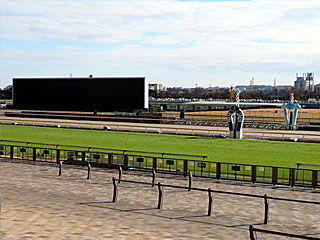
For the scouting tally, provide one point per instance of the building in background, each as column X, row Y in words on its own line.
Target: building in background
column 304, row 82
column 6, row 93
column 157, row 87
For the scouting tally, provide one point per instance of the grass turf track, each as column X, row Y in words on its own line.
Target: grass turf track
column 222, row 150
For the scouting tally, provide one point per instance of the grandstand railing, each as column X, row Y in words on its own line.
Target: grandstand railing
column 180, row 164
column 253, row 230
column 209, row 191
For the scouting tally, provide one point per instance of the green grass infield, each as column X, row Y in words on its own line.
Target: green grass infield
column 273, row 153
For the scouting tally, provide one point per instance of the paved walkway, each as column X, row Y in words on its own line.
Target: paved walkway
column 38, row 204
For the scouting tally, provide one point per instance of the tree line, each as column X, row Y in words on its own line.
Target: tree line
column 229, row 93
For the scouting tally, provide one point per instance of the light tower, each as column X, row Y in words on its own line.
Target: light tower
column 252, row 82
column 310, row 80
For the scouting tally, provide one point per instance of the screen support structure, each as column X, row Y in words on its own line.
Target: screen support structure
column 235, row 118
column 291, row 113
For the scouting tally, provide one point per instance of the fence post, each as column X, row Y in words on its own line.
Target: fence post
column 251, row 232
column 60, row 168
column 34, row 154
column 254, row 174
column 125, row 162
column 110, row 160
column 11, row 152
column 185, row 167
column 190, row 180
column 89, row 171
column 154, row 163
column 298, row 165
column 314, row 179
column 160, row 198
column 266, row 209
column 83, row 157
column 153, row 176
column 57, row 156
column 218, row 175
column 120, row 174
column 210, row 202
column 274, row 176
column 291, row 177
column 115, row 190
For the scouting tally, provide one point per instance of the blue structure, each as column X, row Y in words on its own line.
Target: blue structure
column 291, row 113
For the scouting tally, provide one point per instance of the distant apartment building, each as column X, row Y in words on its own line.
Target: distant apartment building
column 317, row 88
column 304, row 82
column 157, row 87
column 6, row 93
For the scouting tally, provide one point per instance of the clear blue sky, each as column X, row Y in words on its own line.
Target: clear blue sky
column 177, row 43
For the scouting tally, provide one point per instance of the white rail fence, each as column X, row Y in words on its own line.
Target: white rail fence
column 178, row 130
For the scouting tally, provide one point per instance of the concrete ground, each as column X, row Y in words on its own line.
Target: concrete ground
column 38, row 204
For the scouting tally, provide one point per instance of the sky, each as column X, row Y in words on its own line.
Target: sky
column 176, row 43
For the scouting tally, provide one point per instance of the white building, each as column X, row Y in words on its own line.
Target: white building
column 157, row 87
column 306, row 82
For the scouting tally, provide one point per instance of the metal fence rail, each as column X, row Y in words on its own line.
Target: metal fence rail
column 253, row 229
column 209, row 191
column 161, row 162
column 122, row 151
column 191, row 130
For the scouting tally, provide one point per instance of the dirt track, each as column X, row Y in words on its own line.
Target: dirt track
column 268, row 112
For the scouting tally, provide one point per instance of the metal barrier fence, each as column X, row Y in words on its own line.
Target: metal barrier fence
column 88, row 149
column 209, row 191
column 253, row 229
column 163, row 163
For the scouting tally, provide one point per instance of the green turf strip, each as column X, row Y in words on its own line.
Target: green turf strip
column 285, row 154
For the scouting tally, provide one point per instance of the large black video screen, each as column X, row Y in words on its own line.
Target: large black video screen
column 101, row 94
